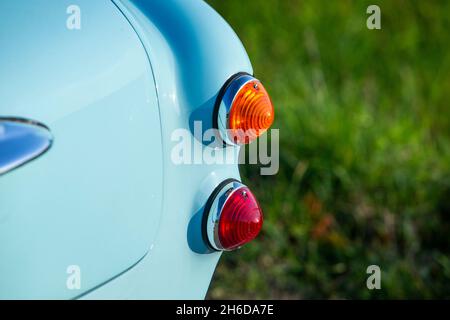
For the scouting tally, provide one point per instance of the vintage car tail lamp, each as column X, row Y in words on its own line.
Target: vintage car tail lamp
column 232, row 216
column 243, row 110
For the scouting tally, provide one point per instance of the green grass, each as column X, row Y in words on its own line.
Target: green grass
column 364, row 175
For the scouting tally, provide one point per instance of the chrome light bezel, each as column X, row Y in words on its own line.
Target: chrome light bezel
column 224, row 103
column 213, row 211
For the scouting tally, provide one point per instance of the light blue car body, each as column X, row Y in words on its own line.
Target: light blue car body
column 107, row 197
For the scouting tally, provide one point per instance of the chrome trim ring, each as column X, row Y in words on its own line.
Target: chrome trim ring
column 226, row 103
column 215, row 211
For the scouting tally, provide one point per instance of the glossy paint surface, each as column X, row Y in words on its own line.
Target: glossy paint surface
column 108, row 196
column 193, row 51
column 94, row 199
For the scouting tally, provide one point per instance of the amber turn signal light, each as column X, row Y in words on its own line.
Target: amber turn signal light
column 244, row 110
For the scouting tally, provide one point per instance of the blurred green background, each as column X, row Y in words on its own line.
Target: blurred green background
column 364, row 150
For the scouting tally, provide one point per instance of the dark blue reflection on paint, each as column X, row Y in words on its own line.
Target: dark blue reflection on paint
column 20, row 142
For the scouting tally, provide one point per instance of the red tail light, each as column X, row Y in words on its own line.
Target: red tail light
column 241, row 219
column 234, row 217
column 243, row 110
